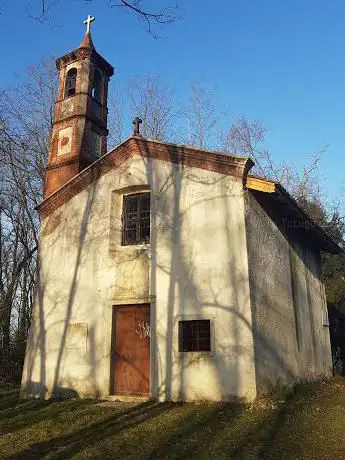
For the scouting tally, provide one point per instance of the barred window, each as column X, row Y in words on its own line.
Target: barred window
column 136, row 219
column 195, row 335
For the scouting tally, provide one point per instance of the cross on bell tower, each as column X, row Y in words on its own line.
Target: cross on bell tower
column 88, row 21
column 79, row 134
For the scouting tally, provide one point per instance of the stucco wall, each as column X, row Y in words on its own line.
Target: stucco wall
column 288, row 299
column 322, row 358
column 199, row 258
column 195, row 267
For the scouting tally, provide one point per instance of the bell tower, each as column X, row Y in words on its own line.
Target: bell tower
column 79, row 133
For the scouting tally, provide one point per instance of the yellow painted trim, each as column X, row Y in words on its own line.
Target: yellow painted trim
column 262, row 185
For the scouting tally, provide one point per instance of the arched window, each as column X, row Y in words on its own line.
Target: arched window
column 97, row 86
column 71, row 80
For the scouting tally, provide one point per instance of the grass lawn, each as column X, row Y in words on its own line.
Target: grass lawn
column 308, row 424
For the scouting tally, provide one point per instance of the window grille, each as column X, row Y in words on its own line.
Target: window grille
column 195, row 335
column 136, row 219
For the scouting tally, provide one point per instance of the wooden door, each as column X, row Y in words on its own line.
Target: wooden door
column 131, row 350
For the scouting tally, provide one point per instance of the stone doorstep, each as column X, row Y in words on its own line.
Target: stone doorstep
column 127, row 398
column 121, row 400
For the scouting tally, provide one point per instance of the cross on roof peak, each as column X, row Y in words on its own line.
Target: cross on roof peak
column 136, row 122
column 88, row 21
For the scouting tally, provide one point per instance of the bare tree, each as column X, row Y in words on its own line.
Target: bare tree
column 151, row 100
column 201, row 116
column 18, row 244
column 29, row 107
column 248, row 137
column 26, row 112
column 115, row 120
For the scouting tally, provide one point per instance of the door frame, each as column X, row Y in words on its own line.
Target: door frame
column 112, row 360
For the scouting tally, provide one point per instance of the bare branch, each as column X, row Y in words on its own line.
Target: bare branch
column 151, row 100
column 165, row 15
column 201, row 115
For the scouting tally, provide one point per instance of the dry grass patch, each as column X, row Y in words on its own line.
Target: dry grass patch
column 308, row 423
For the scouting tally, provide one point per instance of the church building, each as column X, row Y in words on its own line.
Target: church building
column 166, row 271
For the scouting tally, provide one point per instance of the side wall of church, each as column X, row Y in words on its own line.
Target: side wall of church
column 312, row 337
column 288, row 300
column 195, row 267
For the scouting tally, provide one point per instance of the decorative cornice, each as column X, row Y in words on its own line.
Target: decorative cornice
column 188, row 156
column 277, row 193
column 81, row 53
column 97, row 121
column 61, row 161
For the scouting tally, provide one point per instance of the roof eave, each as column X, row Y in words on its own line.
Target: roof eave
column 276, row 190
column 231, row 165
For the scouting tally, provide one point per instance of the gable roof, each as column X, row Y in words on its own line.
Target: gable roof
column 284, row 205
column 222, row 163
column 236, row 166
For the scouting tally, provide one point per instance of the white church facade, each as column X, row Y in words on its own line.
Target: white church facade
column 166, row 271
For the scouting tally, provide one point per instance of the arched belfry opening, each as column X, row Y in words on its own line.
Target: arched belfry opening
column 97, row 87
column 71, row 82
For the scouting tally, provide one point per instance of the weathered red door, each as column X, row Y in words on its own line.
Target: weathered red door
column 131, row 350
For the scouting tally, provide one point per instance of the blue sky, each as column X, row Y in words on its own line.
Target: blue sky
column 282, row 62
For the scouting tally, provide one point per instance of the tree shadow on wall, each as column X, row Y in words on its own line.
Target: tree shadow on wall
column 42, row 323
column 184, row 285
column 186, row 290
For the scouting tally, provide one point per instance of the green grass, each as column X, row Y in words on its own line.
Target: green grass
column 309, row 424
